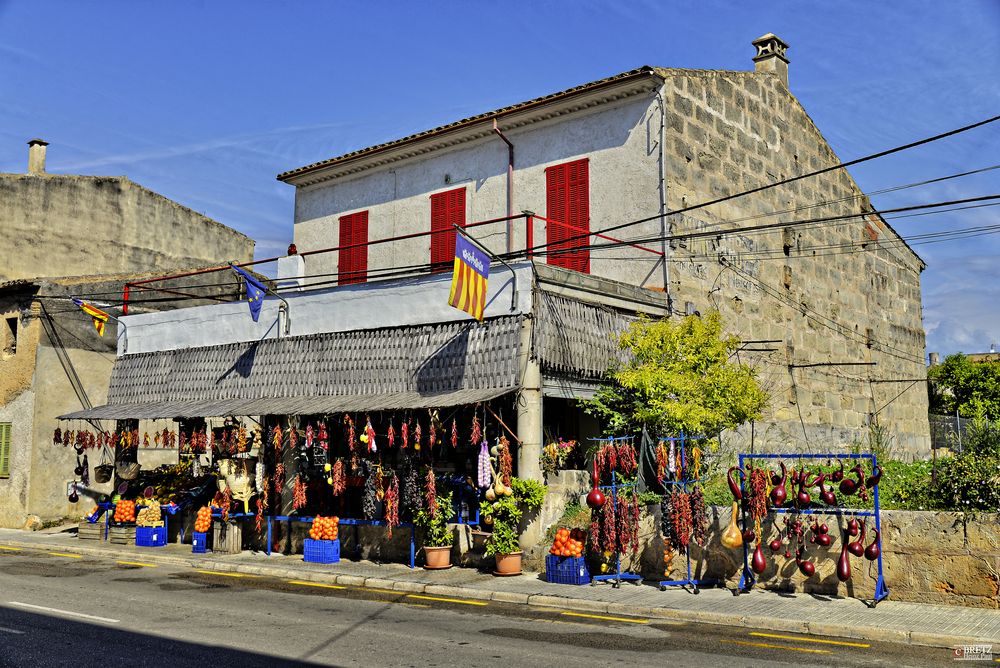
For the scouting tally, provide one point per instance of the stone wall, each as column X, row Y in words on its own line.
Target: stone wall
column 839, row 301
column 928, row 557
column 62, row 225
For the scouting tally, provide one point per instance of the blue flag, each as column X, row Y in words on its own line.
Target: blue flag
column 255, row 292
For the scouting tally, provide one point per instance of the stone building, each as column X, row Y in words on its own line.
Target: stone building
column 99, row 233
column 74, row 225
column 830, row 311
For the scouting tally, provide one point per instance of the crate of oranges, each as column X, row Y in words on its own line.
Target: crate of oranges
column 124, row 512
column 202, row 525
column 565, row 563
column 323, row 546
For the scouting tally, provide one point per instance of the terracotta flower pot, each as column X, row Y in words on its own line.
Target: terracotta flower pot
column 437, row 557
column 508, row 564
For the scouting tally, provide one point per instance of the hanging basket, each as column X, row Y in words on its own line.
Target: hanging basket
column 127, row 470
column 103, row 473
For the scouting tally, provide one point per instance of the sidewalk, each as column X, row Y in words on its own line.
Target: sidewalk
column 891, row 621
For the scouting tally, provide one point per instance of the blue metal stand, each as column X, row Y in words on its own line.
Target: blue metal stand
column 618, row 576
column 683, row 481
column 748, row 579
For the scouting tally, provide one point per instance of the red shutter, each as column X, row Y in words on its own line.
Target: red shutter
column 568, row 201
column 353, row 263
column 447, row 209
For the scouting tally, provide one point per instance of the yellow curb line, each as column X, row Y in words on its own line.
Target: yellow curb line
column 445, row 600
column 137, row 563
column 227, row 575
column 382, row 591
column 817, row 640
column 314, row 584
column 66, row 554
column 10, row 549
column 609, row 619
column 770, row 646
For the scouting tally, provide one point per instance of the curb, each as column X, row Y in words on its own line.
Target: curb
column 853, row 632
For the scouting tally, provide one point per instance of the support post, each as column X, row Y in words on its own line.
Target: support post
column 529, row 409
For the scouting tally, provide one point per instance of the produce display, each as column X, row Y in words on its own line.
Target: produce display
column 150, row 516
column 203, row 522
column 124, row 512
column 568, row 543
column 324, row 528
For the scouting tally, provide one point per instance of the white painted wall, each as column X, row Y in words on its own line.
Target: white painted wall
column 620, row 140
column 410, row 301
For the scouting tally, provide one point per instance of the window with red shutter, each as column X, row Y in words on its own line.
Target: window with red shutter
column 353, row 263
column 567, row 201
column 447, row 210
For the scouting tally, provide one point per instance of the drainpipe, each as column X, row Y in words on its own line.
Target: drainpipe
column 510, row 187
column 662, row 167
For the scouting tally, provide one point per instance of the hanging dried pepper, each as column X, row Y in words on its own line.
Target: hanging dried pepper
column 416, row 436
column 260, row 514
column 696, row 463
column 430, row 493
column 626, row 464
column 276, row 440
column 432, row 435
column 57, row 437
column 279, row 478
column 293, row 438
column 404, row 431
column 339, row 477
column 241, row 439
column 324, row 438
column 411, row 492
column 183, row 441
column 392, row 504
column 298, row 493
column 506, row 462
column 662, row 462
column 223, row 501
column 680, row 519
column 67, row 437
column 755, row 496
column 350, row 431
column 606, row 459
column 699, row 516
column 477, row 432
column 454, row 433
column 310, row 435
column 390, row 436
column 156, row 439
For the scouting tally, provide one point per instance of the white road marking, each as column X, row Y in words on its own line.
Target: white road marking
column 4, row 629
column 68, row 613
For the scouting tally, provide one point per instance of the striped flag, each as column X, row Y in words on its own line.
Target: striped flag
column 469, row 278
column 99, row 316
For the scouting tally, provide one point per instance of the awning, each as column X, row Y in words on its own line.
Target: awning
column 284, row 405
column 425, row 366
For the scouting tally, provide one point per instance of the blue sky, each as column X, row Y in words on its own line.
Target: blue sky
column 205, row 102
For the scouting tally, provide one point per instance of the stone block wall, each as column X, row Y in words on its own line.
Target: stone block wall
column 838, row 301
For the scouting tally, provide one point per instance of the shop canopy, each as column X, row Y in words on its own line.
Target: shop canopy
column 425, row 366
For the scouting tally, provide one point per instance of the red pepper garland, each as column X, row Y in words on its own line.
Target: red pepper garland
column 299, row 493
column 276, row 439
column 432, row 436
column 392, row 504
column 391, row 436
column 430, row 493
column 339, row 478
column 477, row 432
column 699, row 517
column 506, row 461
column 350, row 432
column 417, row 436
column 404, row 431
column 454, row 433
column 279, row 478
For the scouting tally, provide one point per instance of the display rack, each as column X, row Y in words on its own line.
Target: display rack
column 748, row 578
column 618, row 576
column 683, row 481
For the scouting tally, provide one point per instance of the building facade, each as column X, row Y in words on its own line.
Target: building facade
column 827, row 296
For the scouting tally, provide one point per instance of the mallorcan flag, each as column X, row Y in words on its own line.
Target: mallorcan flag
column 469, row 278
column 99, row 316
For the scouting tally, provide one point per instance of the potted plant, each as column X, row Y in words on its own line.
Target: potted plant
column 505, row 514
column 437, row 537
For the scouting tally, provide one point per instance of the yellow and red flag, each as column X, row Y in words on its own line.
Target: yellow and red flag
column 469, row 278
column 99, row 316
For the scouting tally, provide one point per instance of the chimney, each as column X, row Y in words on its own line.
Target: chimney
column 771, row 56
column 36, row 156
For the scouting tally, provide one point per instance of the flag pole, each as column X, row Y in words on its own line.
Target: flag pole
column 284, row 302
column 475, row 242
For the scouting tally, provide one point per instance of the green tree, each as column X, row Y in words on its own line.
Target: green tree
column 679, row 376
column 970, row 388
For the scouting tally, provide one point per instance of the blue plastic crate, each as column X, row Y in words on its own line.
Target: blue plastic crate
column 199, row 542
column 566, row 570
column 322, row 551
column 151, row 536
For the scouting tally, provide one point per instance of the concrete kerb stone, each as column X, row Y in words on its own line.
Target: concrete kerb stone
column 452, row 591
column 509, row 597
column 578, row 604
column 861, row 633
column 410, row 587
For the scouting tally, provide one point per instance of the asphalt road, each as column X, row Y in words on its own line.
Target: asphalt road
column 61, row 610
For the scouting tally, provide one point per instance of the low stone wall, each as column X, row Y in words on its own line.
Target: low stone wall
column 928, row 557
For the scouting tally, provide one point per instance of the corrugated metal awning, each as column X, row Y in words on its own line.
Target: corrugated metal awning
column 284, row 405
